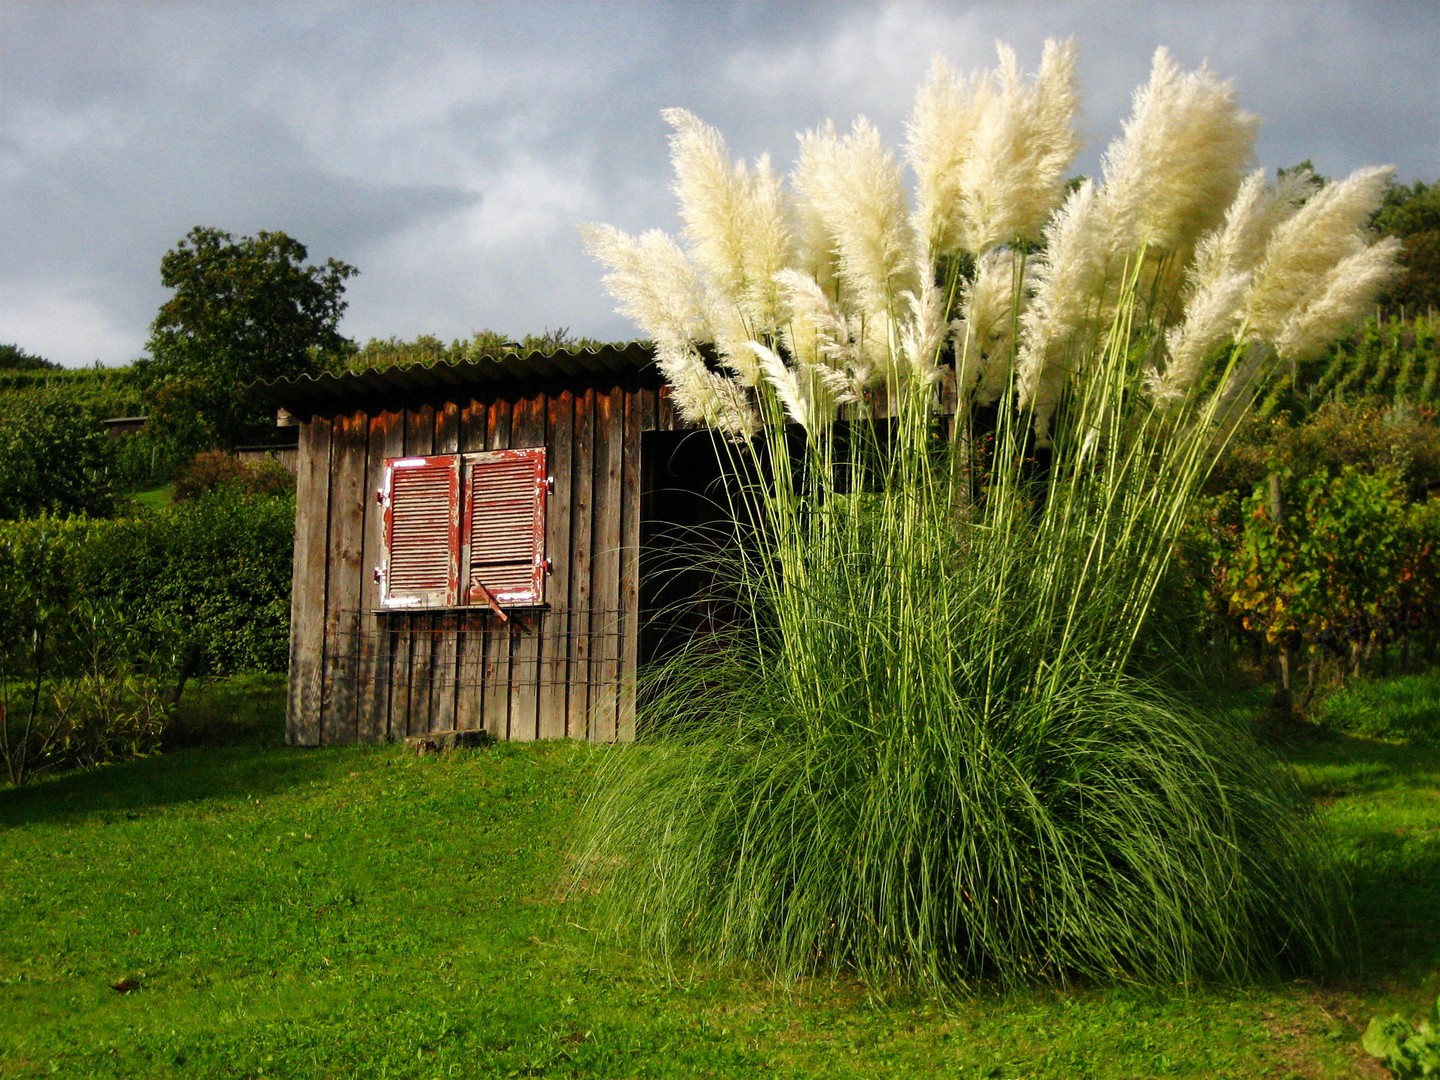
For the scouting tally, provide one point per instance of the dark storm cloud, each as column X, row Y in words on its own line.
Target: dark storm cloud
column 449, row 150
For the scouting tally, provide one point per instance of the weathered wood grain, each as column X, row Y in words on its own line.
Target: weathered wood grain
column 582, row 495
column 495, row 700
column 386, row 440
column 470, row 649
column 410, row 654
column 348, row 454
column 308, row 585
column 527, row 429
column 639, row 417
column 605, row 578
column 555, row 638
column 442, row 626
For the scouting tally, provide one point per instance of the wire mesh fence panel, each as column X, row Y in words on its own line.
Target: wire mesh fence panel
column 483, row 666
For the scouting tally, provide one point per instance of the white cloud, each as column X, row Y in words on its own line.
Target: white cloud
column 63, row 321
column 502, row 263
column 449, row 149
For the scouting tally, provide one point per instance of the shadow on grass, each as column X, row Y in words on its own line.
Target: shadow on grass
column 227, row 741
column 1334, row 765
column 1397, row 908
column 1388, row 841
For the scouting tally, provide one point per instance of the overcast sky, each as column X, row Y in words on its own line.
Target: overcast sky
column 448, row 150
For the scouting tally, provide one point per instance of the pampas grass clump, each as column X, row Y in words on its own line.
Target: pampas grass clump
column 928, row 755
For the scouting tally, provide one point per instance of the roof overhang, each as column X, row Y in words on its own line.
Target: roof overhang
column 304, row 395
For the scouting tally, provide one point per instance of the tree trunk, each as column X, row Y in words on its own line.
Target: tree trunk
column 1284, row 687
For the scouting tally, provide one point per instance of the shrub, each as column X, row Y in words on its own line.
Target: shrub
column 76, row 687
column 1406, row 1049
column 1363, row 435
column 929, row 754
column 215, row 468
column 1348, row 567
column 54, row 458
column 214, row 570
column 212, row 574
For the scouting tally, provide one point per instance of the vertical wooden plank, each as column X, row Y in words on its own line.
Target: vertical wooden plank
column 555, row 640
column 348, row 454
column 527, row 429
column 605, row 579
column 443, row 625
column 307, row 589
column 419, row 442
column 639, row 416
column 470, row 648
column 386, row 440
column 582, row 497
column 496, row 692
column 665, row 416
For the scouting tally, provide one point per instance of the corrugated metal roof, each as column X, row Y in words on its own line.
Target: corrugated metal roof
column 306, row 392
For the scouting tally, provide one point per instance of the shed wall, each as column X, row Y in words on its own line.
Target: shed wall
column 568, row 670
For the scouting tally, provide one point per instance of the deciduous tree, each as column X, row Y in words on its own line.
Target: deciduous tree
column 241, row 310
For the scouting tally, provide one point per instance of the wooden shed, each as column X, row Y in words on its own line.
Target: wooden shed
column 472, row 543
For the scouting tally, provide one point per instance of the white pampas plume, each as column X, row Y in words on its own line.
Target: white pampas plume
column 736, row 219
column 923, row 332
column 1239, row 243
column 985, row 336
column 939, row 136
column 655, row 283
column 810, row 394
column 1349, row 288
column 1211, row 316
column 704, row 397
column 1304, row 249
column 1177, row 166
column 1023, row 144
column 819, row 333
column 1220, row 276
column 815, row 246
column 853, row 187
column 657, row 286
column 1059, row 323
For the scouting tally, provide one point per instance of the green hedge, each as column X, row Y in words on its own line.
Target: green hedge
column 212, row 573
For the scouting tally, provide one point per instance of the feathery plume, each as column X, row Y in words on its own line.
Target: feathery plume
column 820, row 334
column 1304, row 249
column 1239, row 243
column 939, row 136
column 852, row 186
column 735, row 219
column 657, row 287
column 923, row 332
column 1023, row 143
column 1211, row 317
column 1220, row 276
column 1069, row 284
column 654, row 282
column 985, row 335
column 810, row 394
column 1348, row 289
column 815, row 245
column 1178, row 164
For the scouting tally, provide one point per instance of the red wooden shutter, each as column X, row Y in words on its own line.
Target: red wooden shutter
column 421, row 531
column 505, row 527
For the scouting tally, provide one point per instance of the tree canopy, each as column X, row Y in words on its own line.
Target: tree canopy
column 241, row 311
column 14, row 358
column 1413, row 214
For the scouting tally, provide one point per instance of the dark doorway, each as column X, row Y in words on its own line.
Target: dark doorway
column 687, row 541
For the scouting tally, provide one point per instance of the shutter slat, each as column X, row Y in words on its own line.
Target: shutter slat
column 506, row 525
column 422, row 515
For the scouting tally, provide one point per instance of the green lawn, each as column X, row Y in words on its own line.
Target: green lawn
column 152, row 498
column 236, row 908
